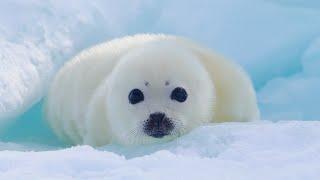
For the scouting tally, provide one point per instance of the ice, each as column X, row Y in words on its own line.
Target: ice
column 295, row 97
column 283, row 150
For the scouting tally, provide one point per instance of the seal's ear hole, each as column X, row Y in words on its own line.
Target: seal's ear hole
column 179, row 94
column 135, row 96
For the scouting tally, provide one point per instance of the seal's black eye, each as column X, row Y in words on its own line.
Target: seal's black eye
column 179, row 94
column 135, row 96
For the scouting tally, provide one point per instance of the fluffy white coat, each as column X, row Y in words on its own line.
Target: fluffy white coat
column 88, row 100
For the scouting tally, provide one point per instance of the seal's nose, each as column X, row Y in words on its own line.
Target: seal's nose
column 158, row 125
column 157, row 117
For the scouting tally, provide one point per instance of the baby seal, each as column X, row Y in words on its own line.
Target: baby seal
column 146, row 89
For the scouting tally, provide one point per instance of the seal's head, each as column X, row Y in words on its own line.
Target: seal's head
column 157, row 92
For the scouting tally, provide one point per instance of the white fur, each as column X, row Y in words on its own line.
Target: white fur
column 88, row 99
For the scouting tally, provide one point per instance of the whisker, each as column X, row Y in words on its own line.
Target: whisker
column 132, row 136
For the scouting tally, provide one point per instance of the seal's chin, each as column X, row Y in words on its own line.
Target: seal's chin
column 158, row 125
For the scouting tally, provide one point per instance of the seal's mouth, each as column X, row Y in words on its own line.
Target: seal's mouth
column 158, row 125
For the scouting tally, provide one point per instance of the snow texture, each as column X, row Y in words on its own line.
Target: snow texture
column 248, row 151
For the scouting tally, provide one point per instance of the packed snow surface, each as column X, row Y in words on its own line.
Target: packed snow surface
column 248, row 151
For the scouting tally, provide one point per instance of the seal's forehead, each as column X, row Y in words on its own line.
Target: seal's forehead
column 158, row 63
column 159, row 56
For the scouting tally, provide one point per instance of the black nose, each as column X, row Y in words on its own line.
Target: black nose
column 158, row 125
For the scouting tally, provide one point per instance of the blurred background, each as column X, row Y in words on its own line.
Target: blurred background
column 276, row 41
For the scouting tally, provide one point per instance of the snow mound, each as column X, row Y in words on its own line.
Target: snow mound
column 283, row 150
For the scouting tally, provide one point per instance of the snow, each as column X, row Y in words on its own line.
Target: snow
column 276, row 41
column 265, row 150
